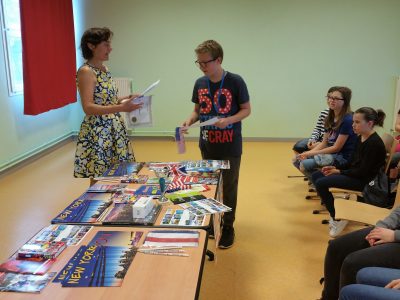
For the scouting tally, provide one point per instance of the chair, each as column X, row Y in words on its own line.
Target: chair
column 362, row 212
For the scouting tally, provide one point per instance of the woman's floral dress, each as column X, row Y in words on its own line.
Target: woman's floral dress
column 102, row 139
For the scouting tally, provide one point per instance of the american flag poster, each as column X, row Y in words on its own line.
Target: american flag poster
column 178, row 238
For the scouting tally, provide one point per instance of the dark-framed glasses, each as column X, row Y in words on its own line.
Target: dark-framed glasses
column 204, row 63
column 333, row 98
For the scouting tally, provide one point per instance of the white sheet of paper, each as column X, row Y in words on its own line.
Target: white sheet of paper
column 142, row 116
column 205, row 123
column 150, row 87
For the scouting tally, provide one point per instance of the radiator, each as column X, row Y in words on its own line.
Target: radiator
column 124, row 86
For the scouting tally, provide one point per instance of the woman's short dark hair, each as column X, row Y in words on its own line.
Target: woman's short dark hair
column 377, row 116
column 94, row 36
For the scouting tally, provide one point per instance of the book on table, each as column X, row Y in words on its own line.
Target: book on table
column 32, row 266
column 205, row 207
column 82, row 211
column 122, row 214
column 11, row 282
column 103, row 262
column 41, row 249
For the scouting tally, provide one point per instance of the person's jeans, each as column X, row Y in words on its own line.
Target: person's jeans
column 348, row 254
column 230, row 180
column 377, row 276
column 368, row 292
column 301, row 146
column 310, row 165
column 371, row 282
column 323, row 183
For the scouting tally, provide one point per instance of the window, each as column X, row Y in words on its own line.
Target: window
column 12, row 45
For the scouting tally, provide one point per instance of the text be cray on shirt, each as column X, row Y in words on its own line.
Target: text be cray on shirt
column 233, row 92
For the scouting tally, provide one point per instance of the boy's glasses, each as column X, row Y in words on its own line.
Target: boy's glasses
column 204, row 63
column 333, row 98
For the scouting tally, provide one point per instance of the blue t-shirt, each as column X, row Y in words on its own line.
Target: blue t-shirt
column 345, row 128
column 216, row 141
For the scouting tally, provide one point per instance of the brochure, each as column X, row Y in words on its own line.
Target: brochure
column 10, row 282
column 178, row 238
column 205, row 207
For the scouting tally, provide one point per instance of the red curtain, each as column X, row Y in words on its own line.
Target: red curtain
column 48, row 54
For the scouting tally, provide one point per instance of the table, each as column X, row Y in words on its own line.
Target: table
column 149, row 276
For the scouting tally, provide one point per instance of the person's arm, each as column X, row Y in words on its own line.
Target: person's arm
column 194, row 116
column 87, row 84
column 397, row 125
column 322, row 149
column 392, row 221
column 244, row 111
column 319, row 129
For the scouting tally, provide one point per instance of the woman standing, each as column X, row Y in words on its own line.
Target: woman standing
column 102, row 139
column 368, row 159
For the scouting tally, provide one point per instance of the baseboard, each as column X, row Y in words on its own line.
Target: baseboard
column 28, row 157
column 46, row 148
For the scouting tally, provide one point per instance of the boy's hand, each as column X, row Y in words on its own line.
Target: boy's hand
column 185, row 125
column 222, row 123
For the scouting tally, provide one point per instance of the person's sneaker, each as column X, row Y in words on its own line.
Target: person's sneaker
column 227, row 237
column 336, row 227
column 330, row 222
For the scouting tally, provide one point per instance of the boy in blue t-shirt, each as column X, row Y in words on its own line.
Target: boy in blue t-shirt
column 223, row 94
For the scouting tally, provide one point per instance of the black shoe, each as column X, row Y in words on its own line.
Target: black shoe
column 227, row 237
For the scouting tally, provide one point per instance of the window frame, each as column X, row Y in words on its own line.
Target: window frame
column 12, row 85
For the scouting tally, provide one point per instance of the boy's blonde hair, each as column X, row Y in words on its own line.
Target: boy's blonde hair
column 212, row 47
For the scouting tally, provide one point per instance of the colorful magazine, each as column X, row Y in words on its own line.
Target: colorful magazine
column 206, row 165
column 82, row 211
column 123, row 168
column 96, row 196
column 134, row 178
column 184, row 196
column 122, row 214
column 126, row 196
column 106, row 188
column 176, row 238
column 41, row 249
column 148, row 190
column 98, row 265
column 10, row 282
column 69, row 234
column 205, row 207
column 181, row 217
column 117, row 238
column 26, row 266
column 62, row 275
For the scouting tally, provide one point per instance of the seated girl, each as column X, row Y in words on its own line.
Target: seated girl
column 368, row 158
column 367, row 247
column 337, row 145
